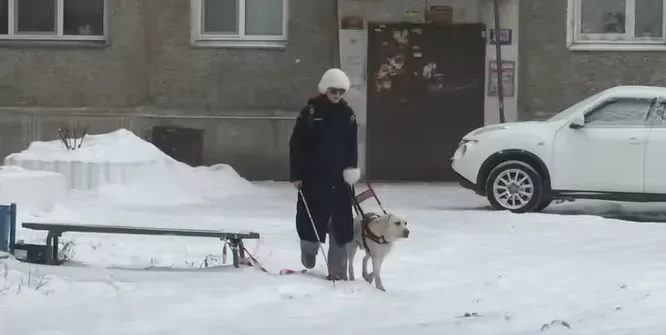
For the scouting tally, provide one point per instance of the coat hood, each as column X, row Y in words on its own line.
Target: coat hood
column 335, row 78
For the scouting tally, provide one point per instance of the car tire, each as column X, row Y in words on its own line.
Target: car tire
column 544, row 203
column 514, row 186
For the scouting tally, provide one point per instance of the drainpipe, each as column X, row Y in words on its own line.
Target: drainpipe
column 336, row 48
column 498, row 57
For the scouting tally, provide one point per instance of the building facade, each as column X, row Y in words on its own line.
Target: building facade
column 423, row 72
column 238, row 70
column 571, row 49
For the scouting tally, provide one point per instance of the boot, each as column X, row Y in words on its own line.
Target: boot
column 309, row 251
column 337, row 261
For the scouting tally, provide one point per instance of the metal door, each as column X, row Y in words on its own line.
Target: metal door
column 425, row 91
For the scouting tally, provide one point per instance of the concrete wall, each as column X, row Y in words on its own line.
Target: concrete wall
column 149, row 74
column 353, row 46
column 553, row 76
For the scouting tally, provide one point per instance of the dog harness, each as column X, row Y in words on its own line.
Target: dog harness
column 366, row 233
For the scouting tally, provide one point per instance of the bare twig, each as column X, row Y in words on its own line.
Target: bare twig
column 68, row 135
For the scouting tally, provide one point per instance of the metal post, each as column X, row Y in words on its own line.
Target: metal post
column 12, row 229
column 498, row 57
column 5, row 228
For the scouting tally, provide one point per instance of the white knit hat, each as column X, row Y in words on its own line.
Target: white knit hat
column 334, row 78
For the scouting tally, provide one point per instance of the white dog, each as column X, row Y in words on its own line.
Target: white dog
column 376, row 234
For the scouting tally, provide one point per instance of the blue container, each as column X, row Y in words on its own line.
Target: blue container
column 8, row 228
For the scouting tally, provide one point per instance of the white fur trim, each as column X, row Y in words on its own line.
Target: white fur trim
column 334, row 78
column 351, row 175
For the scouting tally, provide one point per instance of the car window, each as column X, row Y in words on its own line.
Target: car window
column 575, row 107
column 620, row 113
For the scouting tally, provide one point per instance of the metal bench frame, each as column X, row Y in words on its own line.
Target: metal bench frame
column 55, row 231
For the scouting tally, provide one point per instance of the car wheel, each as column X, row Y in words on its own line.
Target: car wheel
column 515, row 186
column 544, row 203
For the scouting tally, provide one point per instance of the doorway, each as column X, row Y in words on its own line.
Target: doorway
column 426, row 90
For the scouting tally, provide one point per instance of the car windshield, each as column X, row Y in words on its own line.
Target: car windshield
column 573, row 108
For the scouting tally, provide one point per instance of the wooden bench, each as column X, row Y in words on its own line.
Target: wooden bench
column 55, row 231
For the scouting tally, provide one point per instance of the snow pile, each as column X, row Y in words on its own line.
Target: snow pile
column 38, row 189
column 129, row 169
column 120, row 146
column 57, row 214
column 175, row 183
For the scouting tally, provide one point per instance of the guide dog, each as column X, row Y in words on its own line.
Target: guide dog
column 376, row 234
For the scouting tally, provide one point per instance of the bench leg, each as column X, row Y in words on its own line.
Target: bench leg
column 56, row 244
column 49, row 248
column 235, row 252
column 241, row 249
column 52, row 240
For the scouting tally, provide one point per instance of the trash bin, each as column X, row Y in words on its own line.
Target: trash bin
column 7, row 228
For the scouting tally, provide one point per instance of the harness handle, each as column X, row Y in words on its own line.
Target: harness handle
column 372, row 190
column 355, row 203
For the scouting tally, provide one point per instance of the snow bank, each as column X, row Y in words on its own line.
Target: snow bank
column 123, row 166
column 37, row 189
column 106, row 158
column 175, row 183
column 120, row 146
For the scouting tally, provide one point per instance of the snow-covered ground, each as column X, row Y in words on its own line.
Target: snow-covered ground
column 509, row 273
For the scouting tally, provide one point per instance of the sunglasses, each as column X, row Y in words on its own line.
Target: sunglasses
column 340, row 91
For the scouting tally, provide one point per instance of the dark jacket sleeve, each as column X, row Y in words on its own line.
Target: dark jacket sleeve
column 352, row 141
column 297, row 147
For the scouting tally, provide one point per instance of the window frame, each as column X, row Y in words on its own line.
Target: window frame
column 13, row 35
column 609, row 42
column 201, row 38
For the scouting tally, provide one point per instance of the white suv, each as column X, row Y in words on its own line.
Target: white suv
column 610, row 146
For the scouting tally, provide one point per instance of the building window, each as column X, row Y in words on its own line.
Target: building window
column 617, row 24
column 53, row 20
column 254, row 23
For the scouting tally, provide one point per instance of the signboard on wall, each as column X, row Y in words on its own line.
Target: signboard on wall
column 351, row 22
column 505, row 36
column 508, row 78
column 414, row 16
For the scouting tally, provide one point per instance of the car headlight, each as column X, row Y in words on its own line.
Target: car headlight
column 463, row 147
column 488, row 129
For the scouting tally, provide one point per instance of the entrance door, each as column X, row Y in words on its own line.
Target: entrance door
column 425, row 92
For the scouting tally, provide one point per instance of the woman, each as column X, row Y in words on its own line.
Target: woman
column 323, row 160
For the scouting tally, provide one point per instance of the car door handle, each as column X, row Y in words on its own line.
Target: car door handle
column 635, row 140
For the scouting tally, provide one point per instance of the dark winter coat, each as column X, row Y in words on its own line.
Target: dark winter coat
column 322, row 145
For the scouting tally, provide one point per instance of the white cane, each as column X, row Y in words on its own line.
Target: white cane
column 314, row 227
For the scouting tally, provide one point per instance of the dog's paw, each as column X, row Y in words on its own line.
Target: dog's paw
column 369, row 278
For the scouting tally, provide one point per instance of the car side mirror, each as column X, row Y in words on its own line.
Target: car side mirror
column 577, row 122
